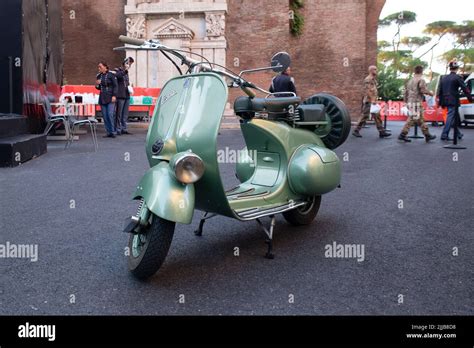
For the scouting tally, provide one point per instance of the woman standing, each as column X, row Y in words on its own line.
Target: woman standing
column 107, row 84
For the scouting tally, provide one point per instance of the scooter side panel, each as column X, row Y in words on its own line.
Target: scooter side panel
column 188, row 117
column 165, row 196
column 265, row 136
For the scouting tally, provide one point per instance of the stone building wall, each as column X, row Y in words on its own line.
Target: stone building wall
column 337, row 45
column 331, row 54
column 90, row 32
column 255, row 30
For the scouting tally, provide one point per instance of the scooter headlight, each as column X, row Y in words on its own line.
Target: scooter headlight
column 187, row 167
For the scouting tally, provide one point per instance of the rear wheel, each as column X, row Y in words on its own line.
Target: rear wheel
column 305, row 214
column 148, row 250
column 335, row 133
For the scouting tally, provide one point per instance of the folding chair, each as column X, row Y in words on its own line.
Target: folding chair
column 52, row 119
column 76, row 123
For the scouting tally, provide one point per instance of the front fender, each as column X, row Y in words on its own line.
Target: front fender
column 165, row 196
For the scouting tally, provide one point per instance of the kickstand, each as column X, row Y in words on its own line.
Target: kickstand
column 206, row 216
column 269, row 233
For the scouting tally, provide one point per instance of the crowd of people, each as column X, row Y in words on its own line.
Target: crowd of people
column 115, row 90
column 415, row 92
column 114, row 97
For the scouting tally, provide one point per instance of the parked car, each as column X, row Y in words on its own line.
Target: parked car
column 466, row 110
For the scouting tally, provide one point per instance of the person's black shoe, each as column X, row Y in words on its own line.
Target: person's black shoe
column 446, row 139
column 429, row 137
column 356, row 134
column 126, row 132
column 385, row 135
column 404, row 138
column 119, row 133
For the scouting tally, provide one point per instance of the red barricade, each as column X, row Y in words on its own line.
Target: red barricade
column 78, row 90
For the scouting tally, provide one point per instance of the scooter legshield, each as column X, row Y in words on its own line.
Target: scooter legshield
column 165, row 196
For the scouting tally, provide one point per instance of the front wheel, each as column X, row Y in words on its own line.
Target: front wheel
column 148, row 250
column 305, row 214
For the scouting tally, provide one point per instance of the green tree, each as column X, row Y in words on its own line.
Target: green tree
column 399, row 19
column 390, row 85
column 463, row 50
column 296, row 18
column 437, row 30
column 415, row 42
column 466, row 56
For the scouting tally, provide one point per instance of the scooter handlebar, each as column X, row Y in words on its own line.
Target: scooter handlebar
column 131, row 40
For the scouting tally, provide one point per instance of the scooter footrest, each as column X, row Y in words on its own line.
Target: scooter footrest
column 255, row 213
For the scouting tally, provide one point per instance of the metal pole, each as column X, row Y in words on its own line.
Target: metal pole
column 416, row 136
column 385, row 115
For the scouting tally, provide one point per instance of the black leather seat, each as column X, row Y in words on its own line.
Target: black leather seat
column 246, row 105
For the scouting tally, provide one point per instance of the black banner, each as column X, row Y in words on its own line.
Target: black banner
column 11, row 57
column 134, row 331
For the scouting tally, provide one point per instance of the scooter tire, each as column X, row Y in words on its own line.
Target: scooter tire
column 153, row 252
column 305, row 214
column 339, row 116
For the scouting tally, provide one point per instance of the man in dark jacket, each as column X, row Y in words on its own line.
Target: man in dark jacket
column 123, row 95
column 107, row 84
column 448, row 94
column 283, row 83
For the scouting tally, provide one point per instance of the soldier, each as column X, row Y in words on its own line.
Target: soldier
column 415, row 89
column 370, row 97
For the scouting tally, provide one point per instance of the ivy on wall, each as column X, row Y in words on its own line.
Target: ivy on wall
column 296, row 18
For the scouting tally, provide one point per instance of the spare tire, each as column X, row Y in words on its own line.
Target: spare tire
column 339, row 126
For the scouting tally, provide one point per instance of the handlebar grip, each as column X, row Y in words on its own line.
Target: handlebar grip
column 249, row 92
column 131, row 40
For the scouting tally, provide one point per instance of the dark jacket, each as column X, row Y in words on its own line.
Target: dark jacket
column 123, row 83
column 448, row 91
column 108, row 87
column 282, row 83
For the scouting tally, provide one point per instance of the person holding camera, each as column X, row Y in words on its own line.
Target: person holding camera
column 106, row 83
column 123, row 95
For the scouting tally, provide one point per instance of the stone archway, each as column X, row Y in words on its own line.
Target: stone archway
column 196, row 26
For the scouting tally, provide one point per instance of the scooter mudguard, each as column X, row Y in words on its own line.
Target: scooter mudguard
column 314, row 170
column 165, row 196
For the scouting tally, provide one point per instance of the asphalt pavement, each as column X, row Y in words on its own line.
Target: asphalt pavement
column 409, row 205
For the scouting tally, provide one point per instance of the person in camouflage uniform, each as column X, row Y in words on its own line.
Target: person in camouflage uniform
column 370, row 97
column 415, row 89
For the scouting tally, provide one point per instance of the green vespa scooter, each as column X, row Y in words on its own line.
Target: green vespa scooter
column 292, row 166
